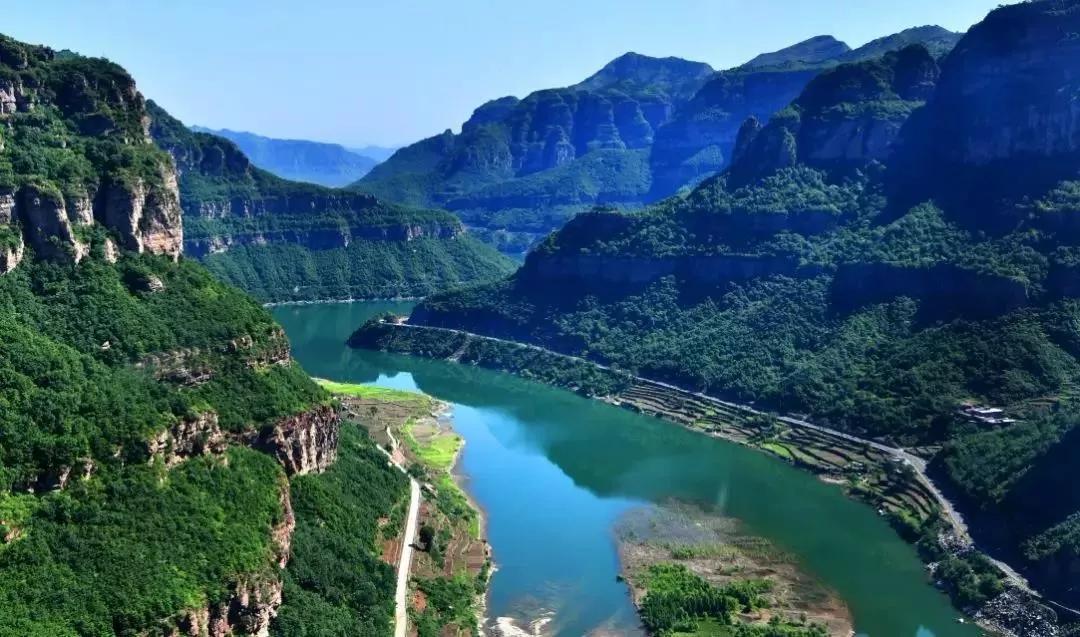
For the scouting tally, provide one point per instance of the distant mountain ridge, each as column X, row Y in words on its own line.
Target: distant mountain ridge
column 320, row 163
column 639, row 129
column 284, row 240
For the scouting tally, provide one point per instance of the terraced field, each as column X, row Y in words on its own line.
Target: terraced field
column 874, row 474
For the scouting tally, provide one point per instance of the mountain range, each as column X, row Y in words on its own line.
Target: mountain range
column 897, row 242
column 320, row 163
column 638, row 130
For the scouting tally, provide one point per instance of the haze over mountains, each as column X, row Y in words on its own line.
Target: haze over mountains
column 638, row 130
column 320, row 163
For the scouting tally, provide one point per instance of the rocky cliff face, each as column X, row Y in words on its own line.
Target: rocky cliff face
column 315, row 238
column 303, row 443
column 132, row 192
column 1004, row 122
column 944, row 290
column 846, row 117
column 230, row 202
column 253, row 601
column 680, row 116
column 586, row 272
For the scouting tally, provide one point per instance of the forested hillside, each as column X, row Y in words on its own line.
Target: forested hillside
column 289, row 241
column 638, row 130
column 152, row 420
column 898, row 241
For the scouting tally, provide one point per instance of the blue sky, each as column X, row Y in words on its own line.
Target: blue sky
column 392, row 72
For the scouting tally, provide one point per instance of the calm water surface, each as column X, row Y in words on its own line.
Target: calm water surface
column 554, row 471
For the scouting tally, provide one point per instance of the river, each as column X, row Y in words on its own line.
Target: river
column 554, row 471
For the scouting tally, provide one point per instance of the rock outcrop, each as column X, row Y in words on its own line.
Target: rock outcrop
column 188, row 438
column 303, row 443
column 945, row 290
column 146, row 216
column 130, row 187
column 47, row 228
column 1004, row 122
column 846, row 117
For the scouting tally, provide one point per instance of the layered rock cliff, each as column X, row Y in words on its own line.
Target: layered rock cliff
column 638, row 130
column 289, row 241
column 50, row 209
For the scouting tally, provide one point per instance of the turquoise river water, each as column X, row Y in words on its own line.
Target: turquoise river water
column 554, row 471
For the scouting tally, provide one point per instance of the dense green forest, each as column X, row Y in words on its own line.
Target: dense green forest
column 835, row 271
column 365, row 269
column 282, row 240
column 147, row 409
column 336, row 583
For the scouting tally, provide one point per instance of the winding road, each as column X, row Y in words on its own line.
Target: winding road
column 401, row 597
column 401, row 593
column 952, row 515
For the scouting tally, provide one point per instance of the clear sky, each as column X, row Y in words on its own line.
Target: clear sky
column 391, row 72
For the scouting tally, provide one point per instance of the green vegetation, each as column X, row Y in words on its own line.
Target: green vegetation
column 74, row 125
column 563, row 371
column 115, row 371
column 450, row 600
column 364, row 269
column 134, row 546
column 679, row 602
column 421, row 401
column 437, row 452
column 290, row 241
column 867, row 261
column 336, row 583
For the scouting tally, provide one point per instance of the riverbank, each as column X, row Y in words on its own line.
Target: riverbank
column 451, row 561
column 888, row 478
column 394, row 299
column 717, row 549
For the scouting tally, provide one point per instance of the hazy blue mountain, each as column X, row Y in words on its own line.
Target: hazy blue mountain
column 378, row 153
column 300, row 160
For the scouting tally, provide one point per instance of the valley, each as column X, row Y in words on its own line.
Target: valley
column 785, row 349
column 575, row 459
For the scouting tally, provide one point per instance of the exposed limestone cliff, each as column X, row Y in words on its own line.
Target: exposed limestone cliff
column 303, row 443
column 846, row 117
column 146, row 216
column 945, row 290
column 47, row 228
column 188, row 439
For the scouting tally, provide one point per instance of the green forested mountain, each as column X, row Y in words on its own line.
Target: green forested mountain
column 289, row 241
column 638, row 130
column 320, row 163
column 899, row 240
column 152, row 419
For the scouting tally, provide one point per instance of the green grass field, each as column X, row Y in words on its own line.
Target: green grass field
column 370, row 391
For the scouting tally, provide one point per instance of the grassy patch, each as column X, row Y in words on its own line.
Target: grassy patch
column 778, row 449
column 370, row 391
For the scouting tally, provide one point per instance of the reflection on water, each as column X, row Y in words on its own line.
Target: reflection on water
column 554, row 472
